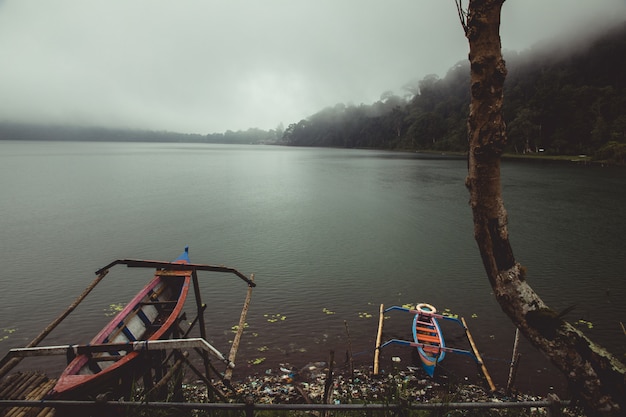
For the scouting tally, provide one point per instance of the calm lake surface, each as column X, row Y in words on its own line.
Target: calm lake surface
column 329, row 234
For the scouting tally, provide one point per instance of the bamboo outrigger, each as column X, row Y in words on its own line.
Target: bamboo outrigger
column 428, row 339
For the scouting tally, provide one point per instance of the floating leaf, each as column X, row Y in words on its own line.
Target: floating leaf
column 5, row 333
column 585, row 323
column 263, row 348
column 474, row 315
column 365, row 315
column 327, row 311
column 236, row 327
column 113, row 309
column 256, row 361
column 273, row 318
column 447, row 313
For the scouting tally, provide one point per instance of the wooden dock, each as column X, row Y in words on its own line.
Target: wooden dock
column 32, row 386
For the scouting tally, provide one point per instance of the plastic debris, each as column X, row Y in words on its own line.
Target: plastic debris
column 298, row 385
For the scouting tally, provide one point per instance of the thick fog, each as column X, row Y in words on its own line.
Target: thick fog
column 209, row 66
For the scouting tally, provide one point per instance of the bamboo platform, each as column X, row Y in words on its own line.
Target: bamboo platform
column 31, row 386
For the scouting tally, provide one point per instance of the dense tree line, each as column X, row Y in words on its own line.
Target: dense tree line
column 558, row 101
column 21, row 131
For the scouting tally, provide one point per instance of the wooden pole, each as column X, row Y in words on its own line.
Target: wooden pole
column 161, row 386
column 200, row 310
column 199, row 307
column 350, row 358
column 139, row 263
column 242, row 321
column 14, row 361
column 514, row 363
column 210, row 387
column 329, row 378
column 480, row 360
column 379, row 336
column 137, row 346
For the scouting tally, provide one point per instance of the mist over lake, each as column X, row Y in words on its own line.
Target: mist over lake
column 329, row 234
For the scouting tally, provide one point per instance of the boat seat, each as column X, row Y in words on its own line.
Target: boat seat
column 432, row 349
column 156, row 303
column 426, row 330
column 428, row 338
column 112, row 358
column 129, row 335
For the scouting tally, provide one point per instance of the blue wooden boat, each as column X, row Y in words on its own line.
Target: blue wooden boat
column 427, row 336
column 427, row 333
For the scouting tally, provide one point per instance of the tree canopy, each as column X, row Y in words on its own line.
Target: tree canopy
column 571, row 102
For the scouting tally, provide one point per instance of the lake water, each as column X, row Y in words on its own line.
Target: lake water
column 329, row 234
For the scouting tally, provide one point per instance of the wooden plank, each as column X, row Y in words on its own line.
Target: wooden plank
column 426, row 329
column 379, row 336
column 428, row 338
column 158, row 303
column 242, row 321
column 480, row 360
column 172, row 273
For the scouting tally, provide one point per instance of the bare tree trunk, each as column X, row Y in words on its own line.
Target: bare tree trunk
column 596, row 378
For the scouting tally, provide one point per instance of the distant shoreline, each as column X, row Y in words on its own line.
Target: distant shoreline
column 576, row 159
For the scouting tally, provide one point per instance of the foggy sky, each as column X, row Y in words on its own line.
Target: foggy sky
column 203, row 66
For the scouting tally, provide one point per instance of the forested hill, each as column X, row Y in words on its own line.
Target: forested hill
column 567, row 102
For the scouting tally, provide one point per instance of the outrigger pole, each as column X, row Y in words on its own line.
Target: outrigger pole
column 480, row 360
column 242, row 322
column 379, row 335
column 7, row 366
column 474, row 353
column 140, row 345
column 138, row 263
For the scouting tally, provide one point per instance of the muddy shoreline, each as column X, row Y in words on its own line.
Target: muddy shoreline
column 308, row 385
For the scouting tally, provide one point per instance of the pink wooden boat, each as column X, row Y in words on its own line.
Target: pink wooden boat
column 150, row 315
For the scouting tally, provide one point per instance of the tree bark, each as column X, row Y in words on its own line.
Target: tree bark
column 595, row 377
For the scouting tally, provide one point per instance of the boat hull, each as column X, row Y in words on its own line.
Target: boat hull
column 427, row 333
column 151, row 315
